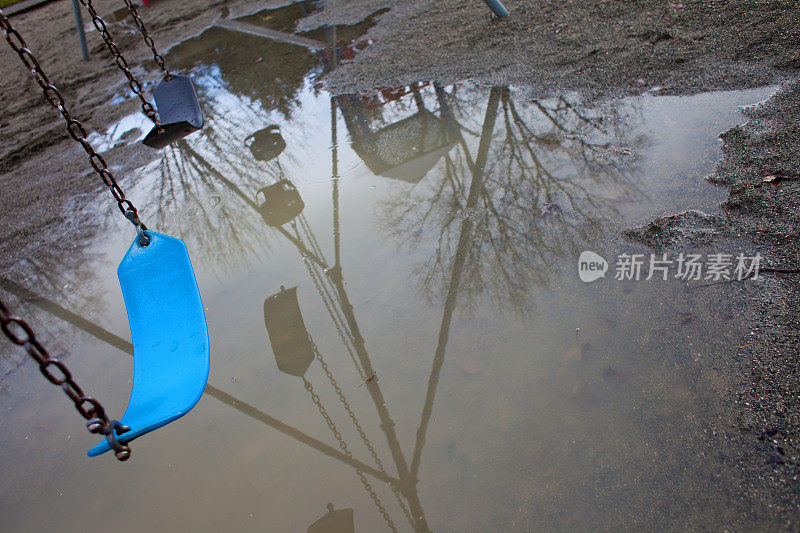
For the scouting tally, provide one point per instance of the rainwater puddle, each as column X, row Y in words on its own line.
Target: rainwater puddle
column 431, row 234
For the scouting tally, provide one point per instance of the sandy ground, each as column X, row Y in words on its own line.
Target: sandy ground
column 603, row 47
column 767, row 218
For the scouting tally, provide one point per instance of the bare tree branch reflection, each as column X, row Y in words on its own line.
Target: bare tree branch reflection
column 552, row 166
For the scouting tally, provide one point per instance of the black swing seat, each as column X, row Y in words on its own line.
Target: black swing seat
column 178, row 111
column 266, row 144
column 334, row 521
column 287, row 332
column 279, row 203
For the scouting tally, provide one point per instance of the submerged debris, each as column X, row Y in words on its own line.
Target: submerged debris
column 372, row 379
column 612, row 374
column 550, row 210
column 775, row 177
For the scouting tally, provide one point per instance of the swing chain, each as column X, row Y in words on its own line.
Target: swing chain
column 92, row 410
column 75, row 129
column 346, row 450
column 144, row 238
column 121, row 62
column 148, row 39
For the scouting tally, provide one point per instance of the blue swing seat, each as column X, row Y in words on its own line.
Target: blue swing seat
column 170, row 338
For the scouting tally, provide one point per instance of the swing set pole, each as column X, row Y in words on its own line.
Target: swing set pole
column 497, row 8
column 76, row 8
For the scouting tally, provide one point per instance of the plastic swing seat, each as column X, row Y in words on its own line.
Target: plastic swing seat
column 266, row 144
column 178, row 111
column 170, row 337
column 287, row 332
column 335, row 521
column 279, row 203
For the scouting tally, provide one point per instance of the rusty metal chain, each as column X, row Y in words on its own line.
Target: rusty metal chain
column 359, row 429
column 343, row 445
column 20, row 333
column 74, row 126
column 147, row 39
column 121, row 62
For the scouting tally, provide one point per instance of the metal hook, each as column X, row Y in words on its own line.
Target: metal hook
column 122, row 451
column 114, row 427
column 144, row 239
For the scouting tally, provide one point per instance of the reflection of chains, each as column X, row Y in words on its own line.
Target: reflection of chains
column 361, row 433
column 319, row 283
column 311, row 238
column 343, row 445
column 315, row 248
column 328, row 301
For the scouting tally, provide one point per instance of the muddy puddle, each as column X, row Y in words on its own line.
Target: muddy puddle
column 459, row 376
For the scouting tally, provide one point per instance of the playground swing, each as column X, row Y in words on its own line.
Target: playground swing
column 165, row 313
column 288, row 336
column 279, row 203
column 294, row 351
column 266, row 144
column 179, row 112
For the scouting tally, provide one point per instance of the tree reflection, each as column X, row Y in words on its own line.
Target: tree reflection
column 550, row 169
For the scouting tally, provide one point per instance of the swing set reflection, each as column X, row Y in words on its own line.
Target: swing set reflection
column 295, row 351
column 426, row 139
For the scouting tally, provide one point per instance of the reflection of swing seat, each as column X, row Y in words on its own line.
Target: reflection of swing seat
column 279, row 203
column 266, row 144
column 407, row 149
column 335, row 521
column 178, row 111
column 288, row 335
column 170, row 337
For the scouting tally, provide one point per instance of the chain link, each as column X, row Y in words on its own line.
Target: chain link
column 147, row 39
column 346, row 405
column 121, row 62
column 74, row 126
column 20, row 333
column 343, row 445
column 361, row 432
column 329, row 300
column 338, row 322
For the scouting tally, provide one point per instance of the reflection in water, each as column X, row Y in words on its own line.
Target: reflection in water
column 279, row 203
column 542, row 198
column 407, row 149
column 266, row 144
column 211, row 183
column 492, row 193
column 288, row 335
column 334, row 521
